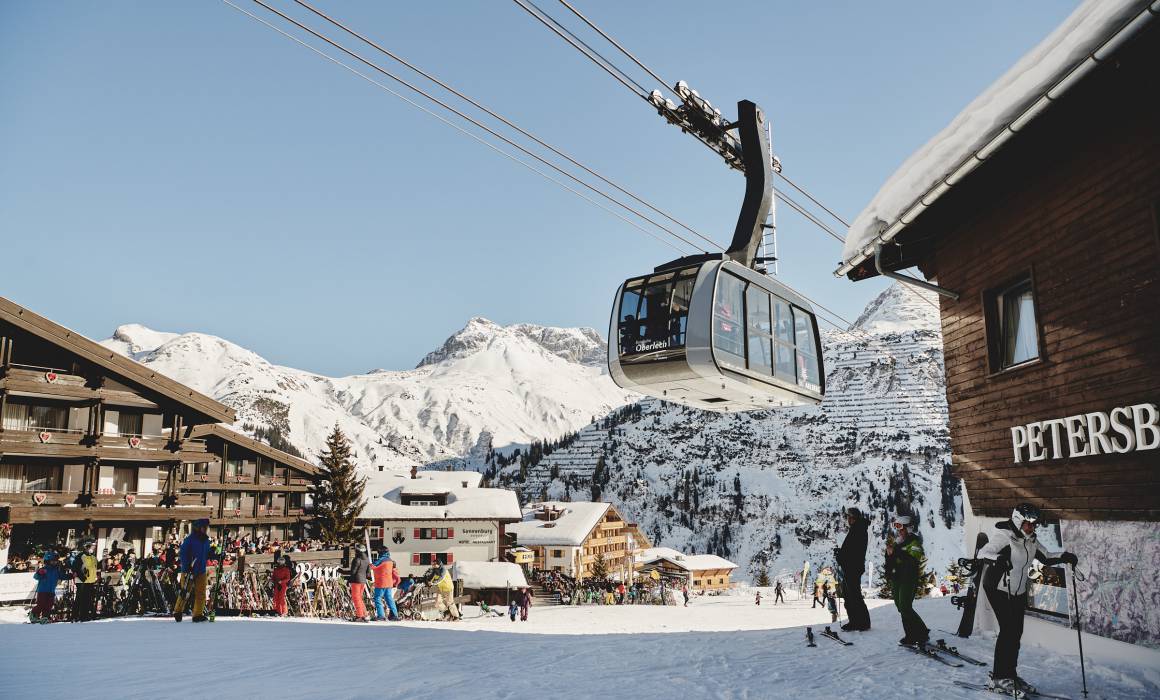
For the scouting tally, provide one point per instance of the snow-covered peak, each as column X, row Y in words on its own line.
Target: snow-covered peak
column 898, row 309
column 133, row 339
column 579, row 345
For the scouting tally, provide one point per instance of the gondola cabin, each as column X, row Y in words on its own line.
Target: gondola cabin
column 718, row 336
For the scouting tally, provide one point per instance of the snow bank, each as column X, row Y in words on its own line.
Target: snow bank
column 987, row 115
column 576, row 520
column 489, row 574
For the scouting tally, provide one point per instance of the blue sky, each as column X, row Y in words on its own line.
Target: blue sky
column 182, row 166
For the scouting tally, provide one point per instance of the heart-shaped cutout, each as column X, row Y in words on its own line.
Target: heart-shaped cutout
column 130, row 498
column 134, row 442
column 50, row 377
column 39, row 498
column 45, row 436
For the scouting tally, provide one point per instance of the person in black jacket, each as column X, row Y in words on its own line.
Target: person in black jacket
column 360, row 570
column 852, row 562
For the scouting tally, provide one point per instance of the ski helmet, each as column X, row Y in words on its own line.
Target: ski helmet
column 1025, row 512
column 902, row 519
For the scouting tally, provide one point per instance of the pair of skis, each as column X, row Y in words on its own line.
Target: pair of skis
column 929, row 652
column 1037, row 694
column 827, row 632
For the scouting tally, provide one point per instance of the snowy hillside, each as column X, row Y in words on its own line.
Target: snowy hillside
column 766, row 489
column 487, row 385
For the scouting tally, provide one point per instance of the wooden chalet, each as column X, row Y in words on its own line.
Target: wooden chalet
column 250, row 487
column 91, row 442
column 1043, row 233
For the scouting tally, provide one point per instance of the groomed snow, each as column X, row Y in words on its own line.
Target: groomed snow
column 462, row 503
column 688, row 562
column 1024, row 83
column 723, row 647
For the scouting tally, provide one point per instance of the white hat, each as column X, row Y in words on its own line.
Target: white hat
column 902, row 519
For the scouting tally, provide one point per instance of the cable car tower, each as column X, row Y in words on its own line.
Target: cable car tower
column 712, row 330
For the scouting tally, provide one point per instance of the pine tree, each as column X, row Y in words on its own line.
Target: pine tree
column 599, row 567
column 338, row 494
column 762, row 579
column 957, row 573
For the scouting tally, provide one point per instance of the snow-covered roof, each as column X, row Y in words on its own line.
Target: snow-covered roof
column 489, row 574
column 1041, row 76
column 462, row 504
column 688, row 562
column 576, row 520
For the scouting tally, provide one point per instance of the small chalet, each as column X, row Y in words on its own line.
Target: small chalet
column 704, row 572
column 91, row 442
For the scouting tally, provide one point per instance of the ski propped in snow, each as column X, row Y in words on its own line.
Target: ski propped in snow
column 923, row 650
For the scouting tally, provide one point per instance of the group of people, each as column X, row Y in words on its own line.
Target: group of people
column 1006, row 563
column 384, row 574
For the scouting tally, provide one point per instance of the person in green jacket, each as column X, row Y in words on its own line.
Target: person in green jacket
column 904, row 559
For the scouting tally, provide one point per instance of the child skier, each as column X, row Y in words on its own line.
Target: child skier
column 513, row 609
column 904, row 557
column 281, row 578
column 47, row 576
column 1009, row 554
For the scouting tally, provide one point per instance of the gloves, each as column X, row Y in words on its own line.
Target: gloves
column 1068, row 558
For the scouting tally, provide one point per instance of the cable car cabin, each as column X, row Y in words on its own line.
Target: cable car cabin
column 717, row 336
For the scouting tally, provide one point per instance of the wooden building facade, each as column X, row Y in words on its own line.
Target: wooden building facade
column 250, row 487
column 91, row 443
column 1052, row 346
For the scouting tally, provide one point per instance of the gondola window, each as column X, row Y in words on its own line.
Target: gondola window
column 653, row 315
column 728, row 333
column 807, row 354
column 760, row 329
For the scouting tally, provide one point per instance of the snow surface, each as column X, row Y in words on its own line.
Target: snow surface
column 489, row 574
column 462, row 504
column 719, row 647
column 1024, row 83
column 570, row 528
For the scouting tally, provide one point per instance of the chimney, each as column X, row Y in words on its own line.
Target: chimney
column 414, row 472
column 464, row 484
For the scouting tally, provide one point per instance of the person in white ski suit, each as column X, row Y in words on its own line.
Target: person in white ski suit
column 1008, row 558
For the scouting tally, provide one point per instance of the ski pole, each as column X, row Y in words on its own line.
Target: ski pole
column 1077, row 576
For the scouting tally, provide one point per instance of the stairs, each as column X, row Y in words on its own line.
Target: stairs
column 541, row 597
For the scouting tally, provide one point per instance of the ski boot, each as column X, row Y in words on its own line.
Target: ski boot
column 1025, row 686
column 200, row 618
column 1006, row 686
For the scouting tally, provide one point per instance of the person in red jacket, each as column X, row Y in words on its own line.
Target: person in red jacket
column 386, row 578
column 281, row 578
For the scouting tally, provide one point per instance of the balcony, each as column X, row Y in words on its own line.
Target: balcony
column 299, row 481
column 242, row 478
column 134, row 442
column 40, row 497
column 31, row 379
column 46, row 438
column 275, row 511
column 277, row 479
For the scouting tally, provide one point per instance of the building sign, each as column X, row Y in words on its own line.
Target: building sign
column 476, row 536
column 651, row 345
column 1121, row 430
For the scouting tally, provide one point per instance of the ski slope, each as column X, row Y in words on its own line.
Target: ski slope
column 723, row 647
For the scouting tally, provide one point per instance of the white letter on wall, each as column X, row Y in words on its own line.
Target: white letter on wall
column 1035, row 442
column 1147, row 430
column 1097, row 424
column 1075, row 436
column 1018, row 441
column 1120, row 425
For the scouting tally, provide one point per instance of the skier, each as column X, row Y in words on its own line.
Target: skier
column 817, row 595
column 47, row 576
column 360, row 570
column 778, row 593
column 852, row 562
column 757, row 599
column 904, row 558
column 685, row 592
column 1009, row 554
column 194, row 556
column 281, row 577
column 831, row 598
column 513, row 607
column 85, row 569
column 525, row 600
column 445, row 592
column 386, row 578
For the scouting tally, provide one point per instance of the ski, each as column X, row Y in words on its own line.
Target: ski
column 980, row 686
column 929, row 653
column 941, row 645
column 185, row 594
column 810, row 637
column 834, row 636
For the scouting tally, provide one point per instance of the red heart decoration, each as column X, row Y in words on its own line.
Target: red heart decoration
column 39, row 498
column 130, row 498
column 50, row 377
column 45, row 436
column 134, row 442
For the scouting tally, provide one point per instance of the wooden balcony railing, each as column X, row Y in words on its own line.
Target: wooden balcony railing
column 40, row 497
column 48, row 436
column 243, row 478
column 134, row 442
column 275, row 480
column 129, row 499
column 295, row 511
column 299, row 481
column 44, row 375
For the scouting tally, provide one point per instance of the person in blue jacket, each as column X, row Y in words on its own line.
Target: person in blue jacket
column 194, row 556
column 47, row 577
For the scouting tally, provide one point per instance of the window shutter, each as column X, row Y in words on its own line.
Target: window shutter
column 415, row 559
column 450, row 558
column 451, row 533
column 416, row 533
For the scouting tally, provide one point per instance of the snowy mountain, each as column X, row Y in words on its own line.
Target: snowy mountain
column 487, row 385
column 766, row 489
